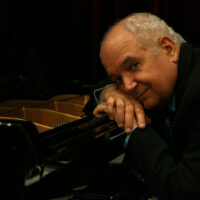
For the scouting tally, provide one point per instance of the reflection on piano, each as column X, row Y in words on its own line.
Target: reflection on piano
column 50, row 149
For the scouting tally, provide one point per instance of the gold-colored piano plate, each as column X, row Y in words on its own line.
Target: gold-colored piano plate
column 40, row 128
column 60, row 106
column 42, row 116
column 14, row 112
column 47, row 117
column 56, row 103
column 46, row 114
column 65, row 107
column 5, row 109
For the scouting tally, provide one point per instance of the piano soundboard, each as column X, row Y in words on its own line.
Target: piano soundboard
column 51, row 148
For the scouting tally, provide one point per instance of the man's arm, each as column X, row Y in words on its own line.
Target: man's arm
column 124, row 109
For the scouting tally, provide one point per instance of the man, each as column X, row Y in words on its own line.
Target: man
column 154, row 72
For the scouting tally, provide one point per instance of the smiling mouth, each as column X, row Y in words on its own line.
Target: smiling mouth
column 142, row 95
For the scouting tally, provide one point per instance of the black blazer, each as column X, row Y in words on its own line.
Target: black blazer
column 172, row 171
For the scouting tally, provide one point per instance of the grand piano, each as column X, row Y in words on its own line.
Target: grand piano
column 50, row 149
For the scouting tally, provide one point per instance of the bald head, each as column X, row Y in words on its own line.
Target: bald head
column 147, row 28
column 116, row 42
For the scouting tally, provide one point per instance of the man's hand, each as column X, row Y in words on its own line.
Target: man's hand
column 124, row 109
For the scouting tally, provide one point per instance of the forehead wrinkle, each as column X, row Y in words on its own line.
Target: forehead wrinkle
column 115, row 52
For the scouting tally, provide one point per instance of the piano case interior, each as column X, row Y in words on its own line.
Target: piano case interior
column 54, row 151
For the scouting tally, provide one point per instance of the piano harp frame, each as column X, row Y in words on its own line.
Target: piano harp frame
column 31, row 140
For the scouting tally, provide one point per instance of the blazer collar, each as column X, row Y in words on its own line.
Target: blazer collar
column 184, row 69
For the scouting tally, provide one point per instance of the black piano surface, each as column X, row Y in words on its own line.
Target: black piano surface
column 77, row 160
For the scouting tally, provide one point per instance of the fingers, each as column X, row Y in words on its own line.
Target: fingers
column 110, row 109
column 119, row 112
column 130, row 121
column 100, row 110
column 127, row 113
column 140, row 116
column 106, row 108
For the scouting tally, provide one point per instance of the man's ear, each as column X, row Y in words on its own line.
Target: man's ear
column 168, row 46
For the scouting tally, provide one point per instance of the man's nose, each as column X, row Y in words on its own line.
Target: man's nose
column 129, row 84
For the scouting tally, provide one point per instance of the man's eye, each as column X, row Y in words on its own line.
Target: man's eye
column 134, row 65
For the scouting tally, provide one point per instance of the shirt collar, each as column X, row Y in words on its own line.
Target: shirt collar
column 172, row 105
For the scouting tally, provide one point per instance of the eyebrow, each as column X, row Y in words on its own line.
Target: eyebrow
column 123, row 65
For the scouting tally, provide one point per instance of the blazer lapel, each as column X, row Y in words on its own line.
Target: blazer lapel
column 184, row 69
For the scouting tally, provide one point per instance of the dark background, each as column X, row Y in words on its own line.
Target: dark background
column 52, row 47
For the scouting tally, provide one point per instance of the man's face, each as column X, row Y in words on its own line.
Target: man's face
column 147, row 76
